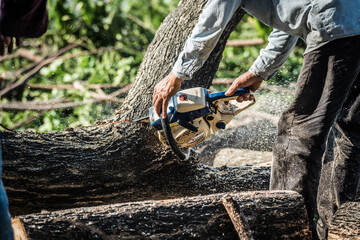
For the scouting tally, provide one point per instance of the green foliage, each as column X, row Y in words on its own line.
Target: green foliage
column 126, row 26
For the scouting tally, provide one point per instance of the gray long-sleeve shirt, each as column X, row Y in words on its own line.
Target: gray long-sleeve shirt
column 316, row 22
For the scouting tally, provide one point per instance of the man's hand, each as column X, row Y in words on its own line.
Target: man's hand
column 246, row 80
column 8, row 42
column 163, row 92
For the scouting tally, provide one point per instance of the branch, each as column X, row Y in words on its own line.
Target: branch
column 29, row 55
column 140, row 23
column 22, row 52
column 18, row 84
column 27, row 121
column 243, row 43
column 41, row 106
column 63, row 103
column 71, row 86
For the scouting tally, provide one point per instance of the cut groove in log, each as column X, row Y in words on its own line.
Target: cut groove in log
column 237, row 217
column 346, row 222
column 271, row 215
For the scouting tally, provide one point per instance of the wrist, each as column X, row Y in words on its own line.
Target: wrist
column 175, row 78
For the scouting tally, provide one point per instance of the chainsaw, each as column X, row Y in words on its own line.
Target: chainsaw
column 193, row 115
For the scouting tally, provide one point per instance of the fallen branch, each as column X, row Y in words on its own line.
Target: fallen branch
column 34, row 69
column 243, row 43
column 41, row 106
column 29, row 55
column 63, row 103
column 24, row 53
column 18, row 84
column 140, row 23
column 71, row 86
column 27, row 121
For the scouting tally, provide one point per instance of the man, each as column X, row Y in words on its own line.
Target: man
column 327, row 91
column 18, row 19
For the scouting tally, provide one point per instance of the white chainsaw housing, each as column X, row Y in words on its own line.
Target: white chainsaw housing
column 222, row 112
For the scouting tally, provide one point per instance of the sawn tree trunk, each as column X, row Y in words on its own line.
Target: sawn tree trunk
column 267, row 215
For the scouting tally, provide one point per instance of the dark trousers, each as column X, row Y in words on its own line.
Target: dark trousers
column 6, row 231
column 327, row 96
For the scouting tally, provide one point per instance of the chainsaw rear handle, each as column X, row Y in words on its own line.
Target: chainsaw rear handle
column 221, row 95
column 171, row 140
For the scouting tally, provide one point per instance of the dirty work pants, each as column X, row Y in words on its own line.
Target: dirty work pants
column 6, row 232
column 327, row 95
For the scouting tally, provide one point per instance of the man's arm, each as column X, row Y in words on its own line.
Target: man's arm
column 211, row 24
column 274, row 55
column 204, row 37
column 267, row 63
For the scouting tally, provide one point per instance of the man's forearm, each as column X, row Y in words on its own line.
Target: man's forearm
column 274, row 55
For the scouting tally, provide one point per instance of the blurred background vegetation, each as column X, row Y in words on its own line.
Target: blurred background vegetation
column 91, row 51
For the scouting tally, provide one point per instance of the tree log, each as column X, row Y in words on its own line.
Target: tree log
column 103, row 167
column 117, row 161
column 270, row 215
column 346, row 222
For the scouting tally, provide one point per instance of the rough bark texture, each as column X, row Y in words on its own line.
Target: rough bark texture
column 346, row 222
column 270, row 215
column 118, row 161
column 104, row 168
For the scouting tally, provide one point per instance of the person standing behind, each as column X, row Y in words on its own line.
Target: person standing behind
column 18, row 19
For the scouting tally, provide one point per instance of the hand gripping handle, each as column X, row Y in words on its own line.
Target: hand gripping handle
column 221, row 95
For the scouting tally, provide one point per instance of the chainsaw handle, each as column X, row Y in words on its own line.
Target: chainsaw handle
column 221, row 95
column 172, row 142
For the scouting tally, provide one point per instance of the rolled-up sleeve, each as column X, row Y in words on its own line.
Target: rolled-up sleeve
column 274, row 55
column 212, row 22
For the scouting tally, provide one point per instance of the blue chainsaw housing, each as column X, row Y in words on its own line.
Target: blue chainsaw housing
column 182, row 119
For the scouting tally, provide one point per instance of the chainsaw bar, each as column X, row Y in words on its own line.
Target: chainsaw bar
column 142, row 119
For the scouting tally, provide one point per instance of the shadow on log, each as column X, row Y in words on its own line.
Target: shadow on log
column 269, row 215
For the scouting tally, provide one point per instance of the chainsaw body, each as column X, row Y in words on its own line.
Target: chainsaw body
column 195, row 113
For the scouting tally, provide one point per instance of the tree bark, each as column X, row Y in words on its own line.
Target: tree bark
column 269, row 215
column 104, row 168
column 346, row 222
